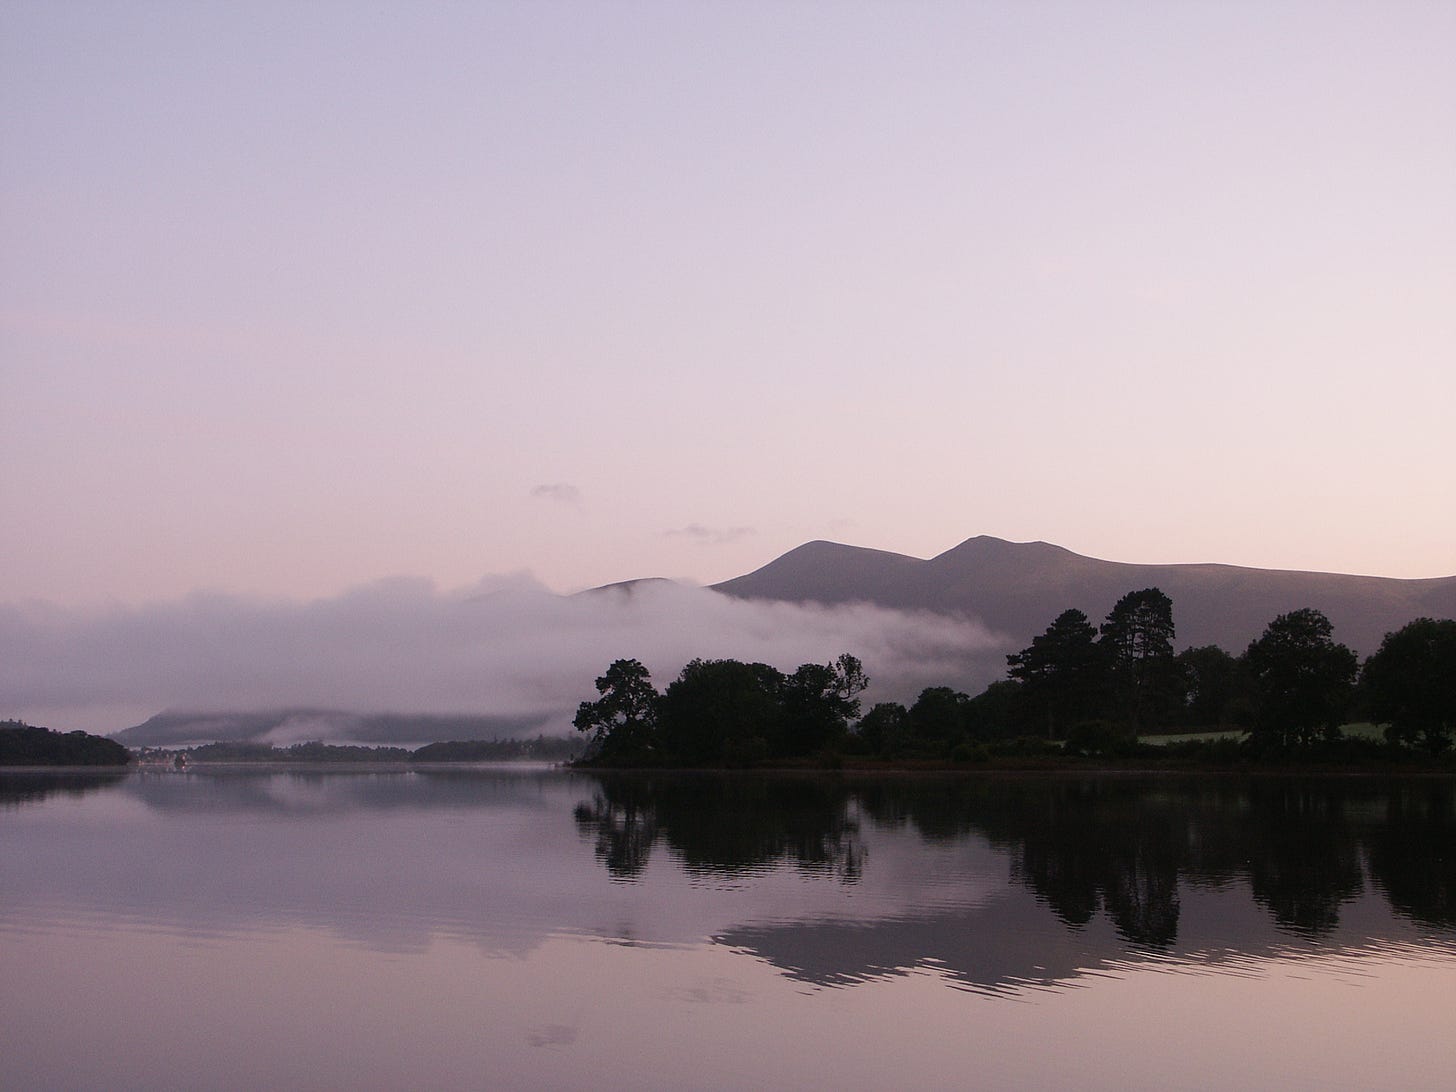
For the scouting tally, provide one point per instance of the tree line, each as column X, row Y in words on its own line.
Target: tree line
column 721, row 712
column 24, row 744
column 1078, row 686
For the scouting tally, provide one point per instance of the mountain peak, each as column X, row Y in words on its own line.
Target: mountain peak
column 991, row 546
column 820, row 571
column 1017, row 588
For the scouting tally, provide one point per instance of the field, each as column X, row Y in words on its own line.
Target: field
column 1358, row 730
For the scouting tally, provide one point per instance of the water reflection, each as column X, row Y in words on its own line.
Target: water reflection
column 1412, row 855
column 1197, row 872
column 400, row 928
column 723, row 825
column 18, row 787
column 995, row 883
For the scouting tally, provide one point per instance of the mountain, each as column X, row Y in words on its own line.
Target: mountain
column 1017, row 588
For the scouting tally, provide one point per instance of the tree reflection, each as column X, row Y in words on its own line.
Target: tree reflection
column 1413, row 854
column 622, row 820
column 1082, row 845
column 18, row 788
column 724, row 824
column 1127, row 848
column 1303, row 862
column 738, row 824
column 1088, row 845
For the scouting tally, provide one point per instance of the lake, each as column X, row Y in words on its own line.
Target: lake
column 518, row 927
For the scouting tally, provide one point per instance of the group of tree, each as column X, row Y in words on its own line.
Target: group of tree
column 1075, row 681
column 1091, row 689
column 721, row 712
column 1124, row 671
column 1410, row 684
column 1099, row 688
column 23, row 744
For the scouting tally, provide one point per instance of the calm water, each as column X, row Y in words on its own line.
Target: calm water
column 488, row 928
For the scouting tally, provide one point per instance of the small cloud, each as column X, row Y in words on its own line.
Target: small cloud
column 711, row 536
column 551, row 1035
column 561, row 492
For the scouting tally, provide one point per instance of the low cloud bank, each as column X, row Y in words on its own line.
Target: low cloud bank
column 507, row 647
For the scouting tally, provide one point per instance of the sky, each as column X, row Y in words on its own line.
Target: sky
column 298, row 298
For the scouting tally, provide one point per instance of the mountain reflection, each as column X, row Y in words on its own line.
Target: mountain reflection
column 1266, row 862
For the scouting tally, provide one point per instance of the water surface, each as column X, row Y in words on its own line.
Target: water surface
column 518, row 927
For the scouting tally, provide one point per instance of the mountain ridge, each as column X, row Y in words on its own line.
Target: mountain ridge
column 1017, row 588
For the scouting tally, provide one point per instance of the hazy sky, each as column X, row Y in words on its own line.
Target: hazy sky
column 298, row 296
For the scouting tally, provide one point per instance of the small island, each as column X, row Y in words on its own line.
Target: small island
column 1080, row 695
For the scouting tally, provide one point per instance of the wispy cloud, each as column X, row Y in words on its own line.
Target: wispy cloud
column 561, row 492
column 711, row 536
column 509, row 647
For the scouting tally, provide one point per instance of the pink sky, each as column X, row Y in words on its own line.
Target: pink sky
column 294, row 298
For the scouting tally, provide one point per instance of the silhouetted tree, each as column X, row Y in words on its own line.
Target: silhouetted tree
column 995, row 713
column 720, row 711
column 1410, row 683
column 1214, row 689
column 1063, row 673
column 1301, row 678
column 819, row 702
column 938, row 719
column 885, row 729
column 1138, row 636
column 623, row 721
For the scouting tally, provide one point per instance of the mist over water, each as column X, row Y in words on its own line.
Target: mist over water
column 507, row 646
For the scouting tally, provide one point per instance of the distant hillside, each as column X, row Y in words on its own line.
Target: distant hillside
column 626, row 587
column 288, row 726
column 1017, row 588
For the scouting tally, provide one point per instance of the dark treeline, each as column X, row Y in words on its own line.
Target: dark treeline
column 1078, row 689
column 721, row 712
column 23, row 744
